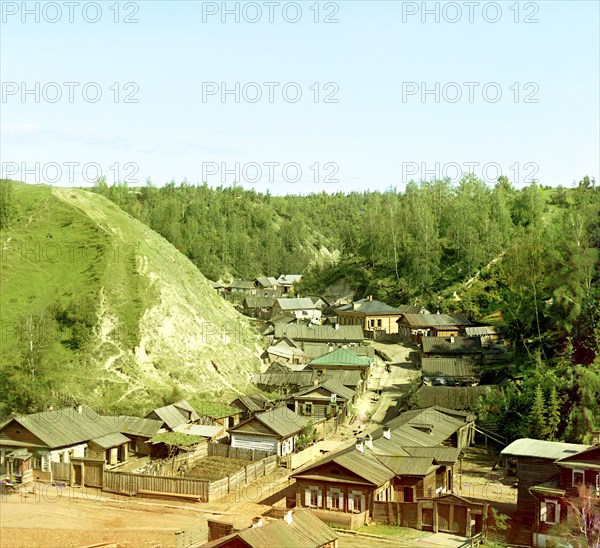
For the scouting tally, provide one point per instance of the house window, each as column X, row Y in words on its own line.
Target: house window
column 578, row 477
column 379, row 323
column 407, row 494
column 356, row 502
column 549, row 512
column 335, row 499
column 372, row 323
column 312, row 496
column 308, row 408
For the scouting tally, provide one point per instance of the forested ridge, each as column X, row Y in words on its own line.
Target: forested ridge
column 526, row 257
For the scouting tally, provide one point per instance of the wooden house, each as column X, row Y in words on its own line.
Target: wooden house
column 274, row 431
column 265, row 283
column 536, row 468
column 138, row 430
column 404, row 463
column 299, row 308
column 314, row 350
column 283, row 383
column 258, row 307
column 285, row 350
column 460, row 398
column 245, row 287
column 324, row 400
column 286, row 283
column 373, row 316
column 174, row 414
column 298, row 528
column 250, row 404
column 62, row 434
column 413, row 327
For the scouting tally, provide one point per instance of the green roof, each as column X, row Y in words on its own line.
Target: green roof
column 341, row 356
column 529, row 447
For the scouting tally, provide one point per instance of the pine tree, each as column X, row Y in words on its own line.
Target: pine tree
column 553, row 416
column 537, row 419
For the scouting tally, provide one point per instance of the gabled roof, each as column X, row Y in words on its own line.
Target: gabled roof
column 175, row 414
column 330, row 386
column 303, row 303
column 368, row 307
column 344, row 377
column 341, row 356
column 241, row 284
column 314, row 350
column 434, row 320
column 65, row 427
column 449, row 367
column 111, row 440
column 408, row 466
column 451, row 345
column 587, row 457
column 552, row 450
column 135, row 426
column 266, row 281
column 294, row 378
column 253, row 402
column 204, row 430
column 325, row 333
column 481, row 330
column 259, row 302
column 281, row 420
column 305, row 531
column 289, row 279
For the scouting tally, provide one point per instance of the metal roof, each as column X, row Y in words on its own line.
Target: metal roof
column 434, row 320
column 451, row 345
column 64, row 427
column 267, row 281
column 449, row 367
column 303, row 303
column 111, row 440
column 553, row 450
column 344, row 377
column 325, row 333
column 368, row 307
column 135, row 426
column 341, row 356
column 289, row 279
column 315, row 350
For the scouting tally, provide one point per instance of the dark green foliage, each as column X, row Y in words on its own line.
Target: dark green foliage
column 7, row 203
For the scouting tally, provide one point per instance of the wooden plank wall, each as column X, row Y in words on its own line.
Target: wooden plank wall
column 223, row 450
column 405, row 514
column 130, row 484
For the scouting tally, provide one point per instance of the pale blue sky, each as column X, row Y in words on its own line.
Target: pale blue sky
column 371, row 137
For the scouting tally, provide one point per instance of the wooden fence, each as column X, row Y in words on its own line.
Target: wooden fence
column 126, row 483
column 341, row 520
column 179, row 464
column 405, row 514
column 222, row 450
column 61, row 471
column 296, row 460
column 219, row 489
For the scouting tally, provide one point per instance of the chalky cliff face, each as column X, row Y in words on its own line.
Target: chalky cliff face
column 157, row 324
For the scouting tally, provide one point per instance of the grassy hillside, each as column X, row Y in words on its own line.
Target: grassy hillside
column 98, row 307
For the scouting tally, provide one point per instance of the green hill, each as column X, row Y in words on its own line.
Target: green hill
column 98, row 308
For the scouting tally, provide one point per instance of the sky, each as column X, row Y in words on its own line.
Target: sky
column 299, row 97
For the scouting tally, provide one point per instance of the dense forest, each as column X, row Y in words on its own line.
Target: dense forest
column 526, row 257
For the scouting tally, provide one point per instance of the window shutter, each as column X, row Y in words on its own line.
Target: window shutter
column 543, row 511
column 341, row 500
column 307, row 497
column 329, row 496
column 319, row 499
column 351, row 502
column 362, row 503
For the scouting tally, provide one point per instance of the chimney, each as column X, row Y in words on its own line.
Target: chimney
column 49, row 408
column 337, row 326
column 369, row 441
column 257, row 522
column 79, row 408
column 360, row 447
column 287, row 517
column 387, row 433
column 370, row 298
column 451, row 339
